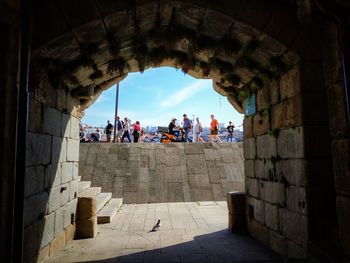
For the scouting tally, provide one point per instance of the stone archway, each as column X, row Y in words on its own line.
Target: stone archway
column 70, row 68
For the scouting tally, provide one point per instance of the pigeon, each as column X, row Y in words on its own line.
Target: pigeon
column 156, row 226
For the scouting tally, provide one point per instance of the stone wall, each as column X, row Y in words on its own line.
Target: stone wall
column 51, row 173
column 287, row 163
column 167, row 172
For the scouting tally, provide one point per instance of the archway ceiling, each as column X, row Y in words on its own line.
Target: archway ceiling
column 69, row 28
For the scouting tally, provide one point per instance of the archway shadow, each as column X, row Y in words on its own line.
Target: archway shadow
column 218, row 246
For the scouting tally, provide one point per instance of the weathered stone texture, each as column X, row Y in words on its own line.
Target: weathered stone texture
column 266, row 146
column 294, row 226
column 52, row 121
column 290, row 143
column 272, row 192
column 249, row 150
column 35, row 180
column 162, row 172
column 38, row 149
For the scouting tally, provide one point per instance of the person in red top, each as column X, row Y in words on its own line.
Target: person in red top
column 137, row 131
column 214, row 129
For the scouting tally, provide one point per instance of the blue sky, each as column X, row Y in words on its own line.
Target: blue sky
column 159, row 94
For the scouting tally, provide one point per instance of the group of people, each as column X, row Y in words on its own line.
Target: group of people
column 123, row 130
column 214, row 129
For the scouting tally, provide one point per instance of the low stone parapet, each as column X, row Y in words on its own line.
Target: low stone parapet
column 166, row 172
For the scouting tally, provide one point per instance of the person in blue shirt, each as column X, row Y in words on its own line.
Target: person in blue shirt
column 187, row 125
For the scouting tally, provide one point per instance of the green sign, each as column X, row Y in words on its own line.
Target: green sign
column 249, row 105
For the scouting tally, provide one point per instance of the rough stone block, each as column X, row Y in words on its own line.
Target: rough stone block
column 289, row 83
column 35, row 180
column 248, row 127
column 212, row 154
column 263, row 169
column 196, row 164
column 54, row 198
column 86, row 208
column 38, row 149
column 199, row 181
column 201, row 194
column 73, row 190
column 58, row 221
column 259, row 232
column 266, row 146
column 296, row 199
column 91, row 158
column 65, row 192
column 290, row 143
column 294, row 226
column 271, row 216
column 218, row 192
column 278, row 243
column 59, row 149
column 236, row 202
column 196, row 148
column 343, row 204
column 57, row 244
column 67, row 172
column 249, row 148
column 236, row 222
column 272, row 192
column 341, row 164
column 226, row 155
column 274, row 92
column 252, row 187
column 35, row 116
column 175, row 192
column 52, row 121
column 249, row 168
column 65, row 131
column 48, row 233
column 86, row 228
column 173, row 160
column 74, row 128
column 293, row 171
column 35, row 207
column 294, row 251
column 338, row 123
column 53, row 175
column 70, row 230
column 258, row 207
column 73, row 150
column 261, row 124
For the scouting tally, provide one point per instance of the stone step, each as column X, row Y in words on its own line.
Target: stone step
column 108, row 212
column 83, row 186
column 90, row 192
column 79, row 178
column 102, row 199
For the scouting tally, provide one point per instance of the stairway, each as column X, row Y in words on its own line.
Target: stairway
column 107, row 207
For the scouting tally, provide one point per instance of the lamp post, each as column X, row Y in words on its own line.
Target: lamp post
column 116, row 112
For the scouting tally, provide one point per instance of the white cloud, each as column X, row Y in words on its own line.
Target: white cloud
column 184, row 94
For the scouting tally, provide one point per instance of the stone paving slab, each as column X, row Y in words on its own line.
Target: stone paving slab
column 190, row 232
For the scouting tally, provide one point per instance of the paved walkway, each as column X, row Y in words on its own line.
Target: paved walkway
column 189, row 232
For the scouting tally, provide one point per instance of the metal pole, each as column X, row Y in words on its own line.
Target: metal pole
column 116, row 112
column 22, row 126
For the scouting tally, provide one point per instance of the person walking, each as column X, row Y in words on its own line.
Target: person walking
column 230, row 131
column 119, row 129
column 108, row 130
column 137, row 131
column 214, row 129
column 126, row 129
column 187, row 125
column 198, row 130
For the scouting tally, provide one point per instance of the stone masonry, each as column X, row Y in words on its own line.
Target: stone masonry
column 169, row 172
